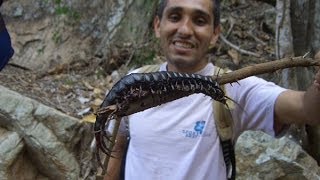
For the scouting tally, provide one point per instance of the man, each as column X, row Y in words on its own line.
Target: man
column 167, row 141
column 6, row 51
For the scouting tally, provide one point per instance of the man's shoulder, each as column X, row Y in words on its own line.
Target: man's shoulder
column 147, row 68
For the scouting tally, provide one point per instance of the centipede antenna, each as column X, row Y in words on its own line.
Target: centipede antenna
column 242, row 109
column 99, row 158
column 103, row 146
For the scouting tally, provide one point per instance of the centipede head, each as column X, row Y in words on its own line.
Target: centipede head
column 104, row 115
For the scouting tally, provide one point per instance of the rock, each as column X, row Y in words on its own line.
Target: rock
column 49, row 135
column 11, row 145
column 62, row 32
column 260, row 156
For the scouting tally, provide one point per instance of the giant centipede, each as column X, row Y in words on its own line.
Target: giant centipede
column 139, row 91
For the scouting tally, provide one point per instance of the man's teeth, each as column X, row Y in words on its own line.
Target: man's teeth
column 183, row 45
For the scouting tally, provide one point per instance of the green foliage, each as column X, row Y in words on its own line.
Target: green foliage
column 56, row 37
column 64, row 10
column 144, row 57
column 41, row 50
column 99, row 73
column 61, row 8
column 147, row 54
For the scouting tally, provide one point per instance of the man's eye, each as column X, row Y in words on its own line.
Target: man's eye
column 200, row 21
column 174, row 17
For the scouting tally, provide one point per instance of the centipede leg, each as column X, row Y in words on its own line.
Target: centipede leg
column 111, row 144
column 99, row 136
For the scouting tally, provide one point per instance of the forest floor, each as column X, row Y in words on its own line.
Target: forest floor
column 77, row 89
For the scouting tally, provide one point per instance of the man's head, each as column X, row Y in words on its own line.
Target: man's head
column 215, row 10
column 186, row 29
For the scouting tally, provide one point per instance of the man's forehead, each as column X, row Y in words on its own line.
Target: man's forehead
column 197, row 5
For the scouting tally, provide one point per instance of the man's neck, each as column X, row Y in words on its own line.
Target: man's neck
column 185, row 69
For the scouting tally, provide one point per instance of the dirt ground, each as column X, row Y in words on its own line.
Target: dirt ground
column 78, row 88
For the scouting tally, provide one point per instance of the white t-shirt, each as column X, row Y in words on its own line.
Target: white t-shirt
column 178, row 140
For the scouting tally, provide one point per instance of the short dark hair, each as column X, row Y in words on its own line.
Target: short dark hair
column 215, row 11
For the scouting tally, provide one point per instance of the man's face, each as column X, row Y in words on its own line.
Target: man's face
column 185, row 32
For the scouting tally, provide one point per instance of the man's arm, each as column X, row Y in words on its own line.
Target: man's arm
column 299, row 107
column 114, row 166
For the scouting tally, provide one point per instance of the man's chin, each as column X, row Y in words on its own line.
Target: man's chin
column 183, row 64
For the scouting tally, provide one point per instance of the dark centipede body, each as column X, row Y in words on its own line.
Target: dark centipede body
column 139, row 91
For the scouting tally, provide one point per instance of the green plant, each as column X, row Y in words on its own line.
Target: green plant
column 56, row 37
column 41, row 50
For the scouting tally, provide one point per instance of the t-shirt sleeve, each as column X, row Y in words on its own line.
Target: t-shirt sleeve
column 255, row 100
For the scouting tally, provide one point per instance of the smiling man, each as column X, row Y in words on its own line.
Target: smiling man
column 178, row 140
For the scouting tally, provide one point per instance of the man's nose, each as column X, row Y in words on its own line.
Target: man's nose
column 186, row 28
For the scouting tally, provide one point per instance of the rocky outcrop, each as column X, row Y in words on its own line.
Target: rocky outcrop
column 44, row 136
column 49, row 33
column 260, row 156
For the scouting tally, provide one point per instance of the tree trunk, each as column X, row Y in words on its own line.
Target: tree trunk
column 307, row 27
column 305, row 24
column 285, row 39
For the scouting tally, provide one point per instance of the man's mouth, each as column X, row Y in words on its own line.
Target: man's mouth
column 185, row 45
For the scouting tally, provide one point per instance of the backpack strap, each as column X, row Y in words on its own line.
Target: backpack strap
column 224, row 125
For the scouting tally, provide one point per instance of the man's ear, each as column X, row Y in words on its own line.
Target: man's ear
column 215, row 37
column 156, row 26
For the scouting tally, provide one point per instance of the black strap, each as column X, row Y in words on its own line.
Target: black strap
column 123, row 161
column 229, row 158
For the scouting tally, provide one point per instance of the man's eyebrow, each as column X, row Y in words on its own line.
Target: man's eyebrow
column 196, row 11
column 202, row 13
column 174, row 9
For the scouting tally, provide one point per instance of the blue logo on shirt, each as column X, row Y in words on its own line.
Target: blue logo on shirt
column 197, row 130
column 199, row 126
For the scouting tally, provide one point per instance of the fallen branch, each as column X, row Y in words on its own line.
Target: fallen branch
column 250, row 33
column 242, row 51
column 267, row 67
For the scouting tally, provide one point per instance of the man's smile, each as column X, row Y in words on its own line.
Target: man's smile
column 184, row 44
column 182, row 47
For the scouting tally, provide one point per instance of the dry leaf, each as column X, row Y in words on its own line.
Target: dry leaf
column 91, row 118
column 87, row 85
column 97, row 102
column 83, row 100
column 84, row 111
column 235, row 56
column 97, row 91
column 95, row 105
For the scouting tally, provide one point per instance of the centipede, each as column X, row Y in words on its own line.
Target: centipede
column 139, row 91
